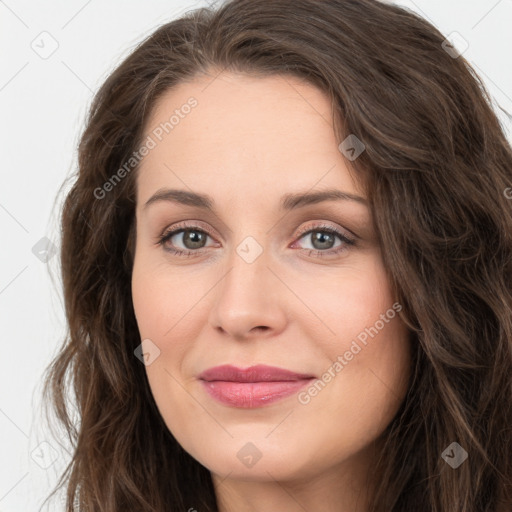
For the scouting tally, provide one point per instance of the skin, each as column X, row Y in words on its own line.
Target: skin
column 249, row 141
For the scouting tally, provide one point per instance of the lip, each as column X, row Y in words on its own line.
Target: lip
column 251, row 387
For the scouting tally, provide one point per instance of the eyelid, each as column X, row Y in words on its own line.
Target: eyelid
column 319, row 224
column 191, row 224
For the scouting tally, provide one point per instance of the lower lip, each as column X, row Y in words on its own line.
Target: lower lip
column 252, row 394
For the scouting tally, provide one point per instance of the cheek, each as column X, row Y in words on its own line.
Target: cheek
column 364, row 340
column 170, row 313
column 150, row 300
column 160, row 298
column 349, row 303
column 160, row 311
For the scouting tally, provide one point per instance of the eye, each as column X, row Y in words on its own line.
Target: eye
column 193, row 238
column 323, row 237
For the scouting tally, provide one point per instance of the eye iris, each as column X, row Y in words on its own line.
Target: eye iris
column 195, row 238
column 321, row 236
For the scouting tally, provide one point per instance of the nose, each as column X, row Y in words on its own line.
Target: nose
column 249, row 301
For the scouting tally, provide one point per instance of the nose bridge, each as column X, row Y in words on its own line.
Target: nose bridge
column 248, row 295
column 249, row 262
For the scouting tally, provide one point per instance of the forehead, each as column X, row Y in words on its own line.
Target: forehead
column 256, row 134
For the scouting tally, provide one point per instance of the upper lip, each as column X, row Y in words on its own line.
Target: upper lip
column 258, row 373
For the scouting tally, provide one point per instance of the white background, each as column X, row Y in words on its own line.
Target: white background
column 43, row 102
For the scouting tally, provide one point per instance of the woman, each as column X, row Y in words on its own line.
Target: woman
column 224, row 358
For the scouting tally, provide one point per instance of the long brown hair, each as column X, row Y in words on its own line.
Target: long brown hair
column 437, row 168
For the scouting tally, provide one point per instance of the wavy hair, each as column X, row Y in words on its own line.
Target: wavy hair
column 437, row 169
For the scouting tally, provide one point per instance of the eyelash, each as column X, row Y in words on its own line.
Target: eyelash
column 167, row 235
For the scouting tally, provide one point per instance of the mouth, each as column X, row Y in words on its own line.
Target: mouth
column 252, row 387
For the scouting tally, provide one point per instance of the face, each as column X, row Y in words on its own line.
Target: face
column 255, row 274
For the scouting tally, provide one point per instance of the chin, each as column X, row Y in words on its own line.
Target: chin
column 257, row 460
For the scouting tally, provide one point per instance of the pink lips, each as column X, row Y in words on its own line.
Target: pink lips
column 251, row 387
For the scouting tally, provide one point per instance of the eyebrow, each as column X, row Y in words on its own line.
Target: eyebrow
column 288, row 201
